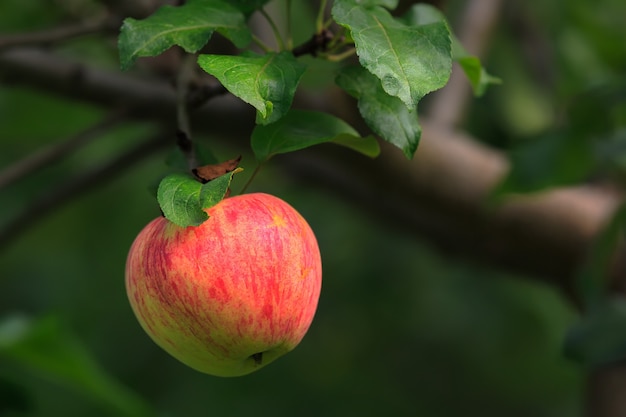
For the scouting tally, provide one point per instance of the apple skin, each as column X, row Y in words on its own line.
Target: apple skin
column 233, row 294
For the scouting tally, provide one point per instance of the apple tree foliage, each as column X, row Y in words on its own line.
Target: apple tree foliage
column 400, row 60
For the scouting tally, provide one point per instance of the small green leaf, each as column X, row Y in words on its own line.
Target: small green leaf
column 46, row 347
column 424, row 14
column 215, row 190
column 300, row 129
column 368, row 146
column 600, row 337
column 267, row 82
column 478, row 77
column 190, row 26
column 183, row 198
column 410, row 61
column 179, row 198
column 384, row 114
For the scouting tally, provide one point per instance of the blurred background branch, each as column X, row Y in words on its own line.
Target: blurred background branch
column 392, row 296
column 443, row 193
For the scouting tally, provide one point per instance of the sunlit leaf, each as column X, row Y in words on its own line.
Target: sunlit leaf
column 183, row 198
column 189, row 26
column 479, row 78
column 267, row 82
column 215, row 190
column 386, row 115
column 410, row 61
column 179, row 199
column 300, row 129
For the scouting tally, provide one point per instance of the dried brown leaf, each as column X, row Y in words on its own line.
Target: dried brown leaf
column 207, row 173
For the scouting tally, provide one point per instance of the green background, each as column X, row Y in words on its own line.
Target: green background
column 401, row 329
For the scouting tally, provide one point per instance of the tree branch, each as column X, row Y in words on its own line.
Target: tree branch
column 37, row 160
column 440, row 194
column 184, row 142
column 60, row 33
column 48, row 201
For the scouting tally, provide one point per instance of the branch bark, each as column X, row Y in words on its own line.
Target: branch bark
column 440, row 194
column 60, row 33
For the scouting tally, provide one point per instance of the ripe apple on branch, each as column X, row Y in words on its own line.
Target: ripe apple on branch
column 232, row 294
column 228, row 284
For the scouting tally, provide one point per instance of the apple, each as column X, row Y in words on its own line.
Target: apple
column 233, row 294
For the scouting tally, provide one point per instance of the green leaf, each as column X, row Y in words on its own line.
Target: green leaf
column 410, row 61
column 183, row 198
column 478, row 77
column 300, row 129
column 267, row 82
column 389, row 4
column 179, row 198
column 215, row 190
column 384, row 114
column 46, row 347
column 600, row 337
column 368, row 146
column 189, row 26
column 424, row 14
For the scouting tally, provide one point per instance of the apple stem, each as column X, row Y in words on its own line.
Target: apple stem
column 258, row 358
column 254, row 173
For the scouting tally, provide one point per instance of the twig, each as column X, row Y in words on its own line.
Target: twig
column 318, row 43
column 279, row 39
column 60, row 33
column 46, row 156
column 198, row 96
column 259, row 42
column 252, row 177
column 439, row 195
column 183, row 134
column 87, row 181
column 319, row 22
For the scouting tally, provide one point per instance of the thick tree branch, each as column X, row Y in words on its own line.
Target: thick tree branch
column 185, row 144
column 51, row 199
column 440, row 194
column 43, row 157
column 60, row 33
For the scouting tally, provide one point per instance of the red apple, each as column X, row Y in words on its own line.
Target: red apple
column 233, row 294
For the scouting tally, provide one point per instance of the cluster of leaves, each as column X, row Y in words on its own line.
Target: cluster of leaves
column 400, row 60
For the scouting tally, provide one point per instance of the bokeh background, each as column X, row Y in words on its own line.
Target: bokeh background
column 401, row 330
